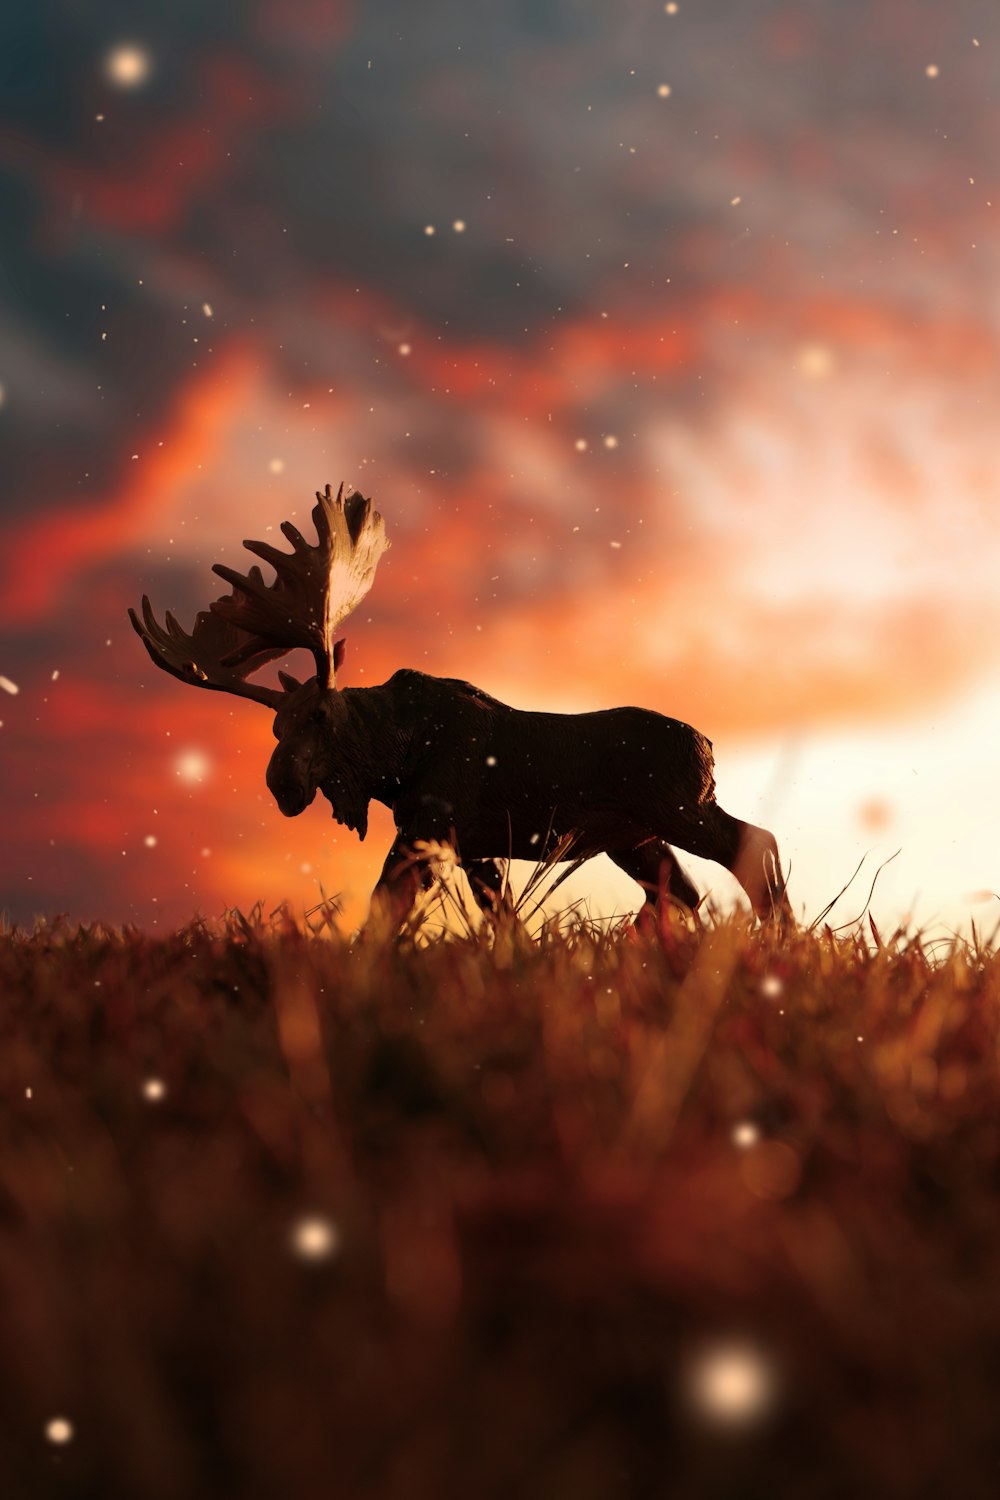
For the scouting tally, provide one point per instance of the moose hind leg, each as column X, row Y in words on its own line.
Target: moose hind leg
column 749, row 852
column 486, row 879
column 654, row 864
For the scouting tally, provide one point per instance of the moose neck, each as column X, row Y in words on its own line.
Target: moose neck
column 382, row 740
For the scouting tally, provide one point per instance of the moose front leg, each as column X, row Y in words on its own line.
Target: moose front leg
column 404, row 875
column 406, row 872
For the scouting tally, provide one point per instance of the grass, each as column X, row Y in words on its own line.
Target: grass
column 599, row 1214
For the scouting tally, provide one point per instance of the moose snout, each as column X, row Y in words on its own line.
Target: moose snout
column 292, row 793
column 293, row 801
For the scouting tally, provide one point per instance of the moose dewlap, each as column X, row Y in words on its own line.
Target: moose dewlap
column 451, row 762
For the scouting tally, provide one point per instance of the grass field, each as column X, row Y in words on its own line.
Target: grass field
column 596, row 1215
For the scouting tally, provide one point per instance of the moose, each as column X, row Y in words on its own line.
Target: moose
column 452, row 763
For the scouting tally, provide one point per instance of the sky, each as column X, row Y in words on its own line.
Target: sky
column 665, row 338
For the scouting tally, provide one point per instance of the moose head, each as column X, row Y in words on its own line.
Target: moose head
column 314, row 590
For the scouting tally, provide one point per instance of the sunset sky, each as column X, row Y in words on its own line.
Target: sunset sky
column 667, row 339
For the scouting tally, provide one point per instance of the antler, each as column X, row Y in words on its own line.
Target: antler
column 215, row 654
column 316, row 588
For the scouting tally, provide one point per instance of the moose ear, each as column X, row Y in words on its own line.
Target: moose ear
column 339, row 651
column 288, row 682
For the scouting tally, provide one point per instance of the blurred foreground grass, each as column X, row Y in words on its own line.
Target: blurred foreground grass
column 601, row 1215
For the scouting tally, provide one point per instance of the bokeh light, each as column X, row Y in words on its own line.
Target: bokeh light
column 128, row 65
column 731, row 1384
column 192, row 767
column 59, row 1431
column 315, row 1238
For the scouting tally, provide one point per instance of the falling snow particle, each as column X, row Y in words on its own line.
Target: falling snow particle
column 127, row 66
column 206, row 308
column 459, row 226
column 932, row 70
column 735, row 202
column 3, row 395
column 59, row 1430
column 745, row 1134
column 771, row 986
column 55, row 674
column 154, row 1089
column 664, row 91
column 615, row 545
column 732, row 1384
column 315, row 1238
column 429, row 229
column 671, row 7
column 405, row 349
column 491, row 760
column 611, row 441
column 150, row 841
column 277, row 466
column 9, row 687
column 580, row 445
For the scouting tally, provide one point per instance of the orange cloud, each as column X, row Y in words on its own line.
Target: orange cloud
column 62, row 541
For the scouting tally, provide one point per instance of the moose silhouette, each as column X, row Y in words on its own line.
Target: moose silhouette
column 452, row 763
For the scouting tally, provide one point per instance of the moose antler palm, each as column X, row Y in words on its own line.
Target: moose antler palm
column 450, row 761
column 315, row 589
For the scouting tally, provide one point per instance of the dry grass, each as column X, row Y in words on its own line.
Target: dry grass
column 524, row 1151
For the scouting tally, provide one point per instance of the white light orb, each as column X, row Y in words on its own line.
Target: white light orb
column 315, row 1238
column 192, row 766
column 128, row 65
column 732, row 1384
column 59, row 1430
